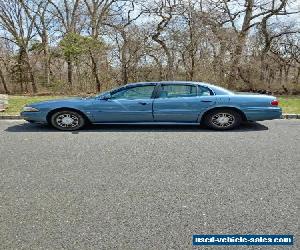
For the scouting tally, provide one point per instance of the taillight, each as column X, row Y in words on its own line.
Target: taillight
column 275, row 103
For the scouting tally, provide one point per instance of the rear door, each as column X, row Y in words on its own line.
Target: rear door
column 181, row 102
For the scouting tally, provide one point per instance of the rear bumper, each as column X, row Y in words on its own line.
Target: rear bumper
column 38, row 117
column 261, row 114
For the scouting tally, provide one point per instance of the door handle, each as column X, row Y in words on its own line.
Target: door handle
column 143, row 103
column 206, row 101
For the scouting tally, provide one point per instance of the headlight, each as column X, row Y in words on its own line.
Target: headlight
column 29, row 109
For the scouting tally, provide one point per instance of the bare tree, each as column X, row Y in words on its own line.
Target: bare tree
column 37, row 11
column 68, row 18
column 164, row 9
column 122, row 36
column 97, row 12
column 20, row 31
column 253, row 13
column 92, row 45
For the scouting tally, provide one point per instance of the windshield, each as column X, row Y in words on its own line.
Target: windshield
column 102, row 93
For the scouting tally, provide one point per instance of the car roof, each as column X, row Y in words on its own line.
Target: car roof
column 217, row 89
column 168, row 82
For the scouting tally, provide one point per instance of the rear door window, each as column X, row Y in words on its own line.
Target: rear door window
column 177, row 90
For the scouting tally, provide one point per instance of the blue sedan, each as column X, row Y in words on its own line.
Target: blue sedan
column 157, row 103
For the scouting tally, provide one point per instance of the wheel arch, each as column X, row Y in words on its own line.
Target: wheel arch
column 242, row 114
column 53, row 111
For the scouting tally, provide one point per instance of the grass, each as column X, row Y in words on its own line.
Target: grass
column 289, row 104
column 16, row 103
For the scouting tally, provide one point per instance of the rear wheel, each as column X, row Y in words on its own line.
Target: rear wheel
column 67, row 120
column 224, row 119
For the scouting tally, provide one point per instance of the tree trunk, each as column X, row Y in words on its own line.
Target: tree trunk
column 191, row 69
column 3, row 82
column 280, row 75
column 70, row 71
column 95, row 72
column 31, row 74
column 235, row 63
column 160, row 69
column 46, row 62
column 32, row 79
column 124, row 73
column 21, row 70
column 220, row 58
column 191, row 51
column 124, row 66
column 297, row 76
column 286, row 74
column 262, row 69
column 271, row 78
column 242, row 36
column 170, row 59
column 170, row 69
column 188, row 66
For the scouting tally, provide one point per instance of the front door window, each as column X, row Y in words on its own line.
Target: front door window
column 139, row 92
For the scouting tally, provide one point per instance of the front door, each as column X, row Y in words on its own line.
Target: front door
column 127, row 104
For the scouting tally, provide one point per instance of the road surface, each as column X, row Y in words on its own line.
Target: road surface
column 146, row 187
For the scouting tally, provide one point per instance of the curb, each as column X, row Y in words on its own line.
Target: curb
column 17, row 117
column 10, row 117
column 290, row 116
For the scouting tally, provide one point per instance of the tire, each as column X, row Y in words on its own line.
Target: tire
column 67, row 120
column 223, row 119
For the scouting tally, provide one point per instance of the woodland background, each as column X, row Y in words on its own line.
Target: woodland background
column 88, row 46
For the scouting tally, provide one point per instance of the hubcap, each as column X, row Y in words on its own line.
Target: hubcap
column 67, row 120
column 223, row 120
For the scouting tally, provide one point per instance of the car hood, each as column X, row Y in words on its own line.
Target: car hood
column 75, row 100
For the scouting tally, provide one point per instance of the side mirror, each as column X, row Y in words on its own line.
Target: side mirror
column 106, row 96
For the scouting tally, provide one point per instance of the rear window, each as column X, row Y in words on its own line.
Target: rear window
column 204, row 91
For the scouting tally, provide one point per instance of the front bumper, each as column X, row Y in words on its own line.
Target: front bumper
column 38, row 117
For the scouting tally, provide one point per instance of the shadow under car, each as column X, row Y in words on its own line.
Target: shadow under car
column 31, row 127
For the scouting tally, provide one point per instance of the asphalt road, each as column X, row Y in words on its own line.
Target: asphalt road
column 145, row 187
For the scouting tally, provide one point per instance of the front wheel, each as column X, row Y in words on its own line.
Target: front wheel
column 223, row 119
column 67, row 120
